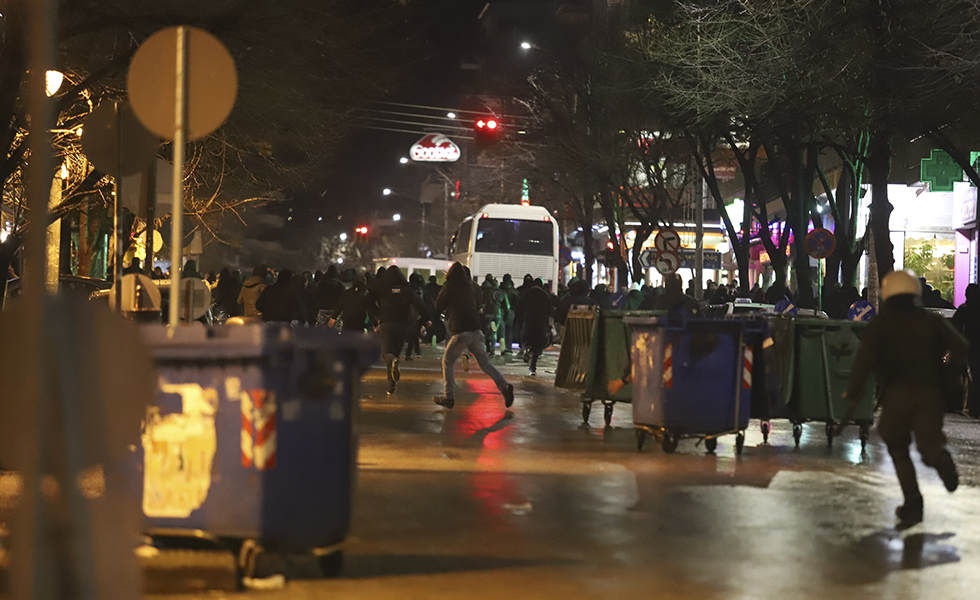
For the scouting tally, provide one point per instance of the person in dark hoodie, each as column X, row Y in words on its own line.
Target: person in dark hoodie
column 281, row 301
column 458, row 299
column 578, row 295
column 533, row 311
column 226, row 292
column 329, row 289
column 393, row 301
column 905, row 348
column 252, row 288
column 354, row 307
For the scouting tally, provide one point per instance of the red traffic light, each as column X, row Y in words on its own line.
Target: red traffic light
column 362, row 230
column 489, row 124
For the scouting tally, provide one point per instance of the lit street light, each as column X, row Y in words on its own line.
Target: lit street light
column 403, row 160
column 386, row 191
column 396, row 217
column 451, row 115
column 526, row 45
column 343, row 237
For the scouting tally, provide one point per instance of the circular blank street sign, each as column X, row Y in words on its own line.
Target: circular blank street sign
column 667, row 240
column 100, row 136
column 139, row 293
column 195, row 299
column 212, row 83
column 667, row 262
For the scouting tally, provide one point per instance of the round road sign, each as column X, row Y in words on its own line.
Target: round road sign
column 820, row 243
column 100, row 136
column 212, row 83
column 667, row 240
column 139, row 293
column 195, row 299
column 861, row 310
column 667, row 262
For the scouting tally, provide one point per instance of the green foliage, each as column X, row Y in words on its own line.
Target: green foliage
column 919, row 259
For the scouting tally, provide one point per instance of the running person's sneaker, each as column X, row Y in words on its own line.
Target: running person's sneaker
column 466, row 362
column 947, row 472
column 395, row 373
column 391, row 389
column 444, row 401
column 527, row 355
column 909, row 513
column 508, row 393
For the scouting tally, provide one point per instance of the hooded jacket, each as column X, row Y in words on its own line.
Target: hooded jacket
column 251, row 290
column 394, row 299
column 458, row 299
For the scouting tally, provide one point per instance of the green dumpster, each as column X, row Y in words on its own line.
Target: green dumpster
column 609, row 360
column 576, row 347
column 825, row 353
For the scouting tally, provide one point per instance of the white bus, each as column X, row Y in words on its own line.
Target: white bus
column 509, row 238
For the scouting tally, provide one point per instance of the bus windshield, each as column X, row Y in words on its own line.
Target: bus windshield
column 515, row 236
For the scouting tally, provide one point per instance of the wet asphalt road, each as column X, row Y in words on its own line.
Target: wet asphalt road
column 482, row 502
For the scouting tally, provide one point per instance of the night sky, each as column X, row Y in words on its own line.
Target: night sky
column 368, row 160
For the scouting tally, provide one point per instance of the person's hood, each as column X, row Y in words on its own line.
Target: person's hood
column 253, row 281
column 456, row 272
column 394, row 276
column 332, row 272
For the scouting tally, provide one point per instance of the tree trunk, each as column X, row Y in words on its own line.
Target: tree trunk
column 588, row 242
column 639, row 273
column 879, row 165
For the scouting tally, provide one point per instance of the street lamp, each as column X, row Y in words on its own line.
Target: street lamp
column 386, row 191
column 53, row 81
column 343, row 237
column 396, row 217
column 403, row 160
column 451, row 115
column 526, row 45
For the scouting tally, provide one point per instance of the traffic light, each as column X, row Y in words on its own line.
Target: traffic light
column 487, row 129
column 362, row 232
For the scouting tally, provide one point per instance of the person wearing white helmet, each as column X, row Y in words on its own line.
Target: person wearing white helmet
column 904, row 348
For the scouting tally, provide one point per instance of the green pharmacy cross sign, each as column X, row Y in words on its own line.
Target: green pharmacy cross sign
column 940, row 171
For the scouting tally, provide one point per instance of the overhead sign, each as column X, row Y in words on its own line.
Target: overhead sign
column 113, row 124
column 667, row 262
column 820, row 243
column 667, row 240
column 712, row 259
column 435, row 147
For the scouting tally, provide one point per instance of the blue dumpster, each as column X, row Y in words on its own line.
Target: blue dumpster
column 692, row 378
column 250, row 439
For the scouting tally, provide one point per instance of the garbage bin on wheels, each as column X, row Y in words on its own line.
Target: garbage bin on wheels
column 609, row 360
column 576, row 345
column 250, row 439
column 692, row 378
column 825, row 353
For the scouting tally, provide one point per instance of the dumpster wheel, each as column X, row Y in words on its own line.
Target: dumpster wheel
column 766, row 427
column 607, row 412
column 797, row 433
column 641, row 438
column 865, row 435
column 669, row 443
column 830, row 435
column 710, row 444
column 739, row 442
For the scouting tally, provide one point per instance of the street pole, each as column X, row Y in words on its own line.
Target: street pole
column 151, row 205
column 117, row 212
column 699, row 239
column 180, row 135
column 445, row 216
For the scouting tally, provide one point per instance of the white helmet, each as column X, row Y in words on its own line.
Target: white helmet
column 897, row 283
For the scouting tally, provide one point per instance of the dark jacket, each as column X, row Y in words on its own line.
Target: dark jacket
column 394, row 299
column 903, row 347
column 225, row 294
column 281, row 301
column 329, row 290
column 353, row 307
column 459, row 300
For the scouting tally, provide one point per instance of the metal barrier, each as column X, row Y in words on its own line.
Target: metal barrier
column 576, row 345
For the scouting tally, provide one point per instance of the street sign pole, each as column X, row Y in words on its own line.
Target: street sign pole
column 699, row 238
column 117, row 215
column 820, row 284
column 151, row 205
column 180, row 134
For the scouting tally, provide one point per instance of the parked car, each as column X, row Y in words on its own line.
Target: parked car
column 72, row 286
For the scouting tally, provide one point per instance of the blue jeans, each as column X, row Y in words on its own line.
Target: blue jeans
column 475, row 343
